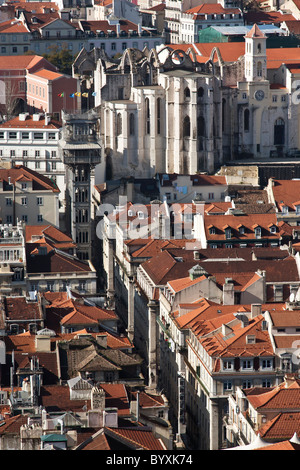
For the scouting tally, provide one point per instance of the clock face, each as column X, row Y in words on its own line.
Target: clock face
column 259, row 95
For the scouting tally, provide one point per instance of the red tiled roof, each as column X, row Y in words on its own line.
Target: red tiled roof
column 138, row 436
column 13, row 26
column 19, row 172
column 18, row 308
column 267, row 17
column 282, row 426
column 47, row 74
column 11, row 425
column 284, row 445
column 33, row 7
column 211, row 8
column 286, row 193
column 105, row 26
column 255, row 32
column 235, row 344
column 249, row 221
column 19, row 62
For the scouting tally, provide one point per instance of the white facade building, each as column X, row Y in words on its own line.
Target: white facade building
column 32, row 141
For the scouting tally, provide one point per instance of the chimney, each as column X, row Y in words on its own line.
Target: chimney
column 47, row 119
column 255, row 310
column 102, row 340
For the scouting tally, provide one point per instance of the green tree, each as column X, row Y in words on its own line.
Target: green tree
column 62, row 59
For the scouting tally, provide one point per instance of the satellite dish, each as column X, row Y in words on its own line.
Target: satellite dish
column 298, row 296
column 292, row 297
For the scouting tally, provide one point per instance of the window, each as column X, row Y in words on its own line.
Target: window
column 274, row 98
column 24, row 186
column 158, row 115
column 38, row 135
column 51, row 135
column 1, row 135
column 124, row 46
column 200, row 92
column 187, row 93
column 15, row 49
column 246, row 120
column 53, row 154
column 12, row 135
column 227, row 385
column 12, row 153
column 25, row 135
column 131, row 124
column 247, row 384
column 8, row 201
column 267, row 364
column 40, row 218
column 247, row 364
column 227, row 232
column 3, row 50
column 119, row 124
column 39, row 201
column 50, row 286
column 279, row 131
column 259, row 69
column 257, row 231
column 24, row 201
column 24, row 218
column 37, row 165
column 147, row 113
column 113, row 46
column 186, row 127
column 25, row 153
column 227, row 365
column 9, row 219
column 37, row 153
column 266, row 383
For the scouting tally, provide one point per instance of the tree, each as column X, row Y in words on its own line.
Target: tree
column 62, row 59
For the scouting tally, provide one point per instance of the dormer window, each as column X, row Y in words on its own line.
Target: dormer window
column 228, row 365
column 251, row 339
column 212, row 230
column 285, row 209
column 257, row 231
column 241, row 229
column 273, row 229
column 247, row 364
column 227, row 232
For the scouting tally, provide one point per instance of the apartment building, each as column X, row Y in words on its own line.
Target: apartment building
column 12, row 259
column 284, row 194
column 32, row 140
column 28, row 196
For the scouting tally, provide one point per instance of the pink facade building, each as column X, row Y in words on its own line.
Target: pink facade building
column 51, row 92
column 13, row 71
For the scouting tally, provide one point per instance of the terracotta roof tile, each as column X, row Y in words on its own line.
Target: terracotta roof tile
column 282, row 426
column 139, row 437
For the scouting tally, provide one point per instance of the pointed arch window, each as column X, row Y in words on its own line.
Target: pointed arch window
column 158, row 115
column 147, row 115
column 186, row 127
column 187, row 93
